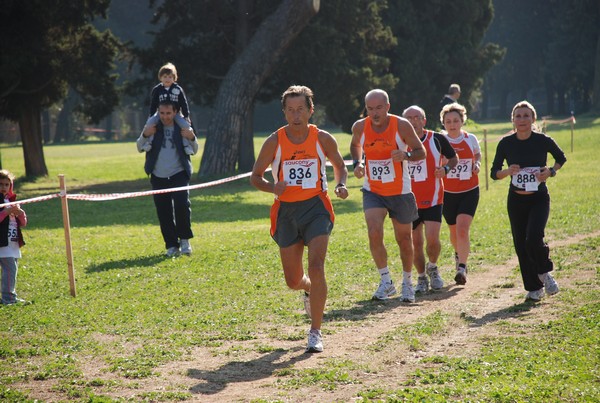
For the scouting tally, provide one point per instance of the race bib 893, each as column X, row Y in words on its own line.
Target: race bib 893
column 382, row 170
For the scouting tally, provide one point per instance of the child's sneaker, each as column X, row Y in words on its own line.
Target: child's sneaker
column 188, row 150
column 148, row 144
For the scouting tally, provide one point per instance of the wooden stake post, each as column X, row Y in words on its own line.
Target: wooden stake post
column 572, row 129
column 67, row 225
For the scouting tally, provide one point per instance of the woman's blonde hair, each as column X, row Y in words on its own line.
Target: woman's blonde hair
column 454, row 107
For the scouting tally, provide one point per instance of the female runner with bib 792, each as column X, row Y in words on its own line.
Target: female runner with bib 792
column 461, row 186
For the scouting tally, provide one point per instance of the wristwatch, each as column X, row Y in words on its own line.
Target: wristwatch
column 552, row 172
column 408, row 155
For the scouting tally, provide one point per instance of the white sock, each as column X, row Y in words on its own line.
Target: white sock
column 407, row 276
column 422, row 275
column 385, row 275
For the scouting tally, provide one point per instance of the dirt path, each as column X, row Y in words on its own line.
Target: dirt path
column 246, row 374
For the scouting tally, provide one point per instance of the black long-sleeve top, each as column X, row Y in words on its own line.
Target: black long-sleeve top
column 532, row 152
column 174, row 94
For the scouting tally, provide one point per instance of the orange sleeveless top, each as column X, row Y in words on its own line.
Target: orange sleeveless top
column 462, row 178
column 382, row 175
column 428, row 190
column 302, row 166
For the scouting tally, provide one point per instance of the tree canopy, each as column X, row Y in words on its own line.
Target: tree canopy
column 48, row 47
column 554, row 46
column 440, row 43
column 348, row 48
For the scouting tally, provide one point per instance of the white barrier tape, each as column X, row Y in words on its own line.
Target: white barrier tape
column 116, row 196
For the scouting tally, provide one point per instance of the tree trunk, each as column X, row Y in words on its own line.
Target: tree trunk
column 30, row 126
column 246, row 150
column 242, row 38
column 244, row 79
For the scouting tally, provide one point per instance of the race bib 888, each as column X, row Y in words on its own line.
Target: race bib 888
column 526, row 179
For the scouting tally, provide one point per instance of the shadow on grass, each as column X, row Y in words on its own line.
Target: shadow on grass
column 146, row 261
column 516, row 311
column 243, row 371
column 365, row 308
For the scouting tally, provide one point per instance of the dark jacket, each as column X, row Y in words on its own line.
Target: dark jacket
column 152, row 155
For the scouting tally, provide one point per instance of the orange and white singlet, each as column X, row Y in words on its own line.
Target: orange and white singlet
column 428, row 190
column 384, row 176
column 301, row 166
column 461, row 178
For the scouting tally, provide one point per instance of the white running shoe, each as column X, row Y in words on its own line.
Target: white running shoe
column 408, row 294
column 535, row 295
column 186, row 248
column 422, row 285
column 172, row 251
column 315, row 342
column 550, row 284
column 307, row 304
column 461, row 276
column 385, row 290
column 434, row 276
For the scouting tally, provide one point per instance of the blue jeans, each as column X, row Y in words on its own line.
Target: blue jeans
column 173, row 209
column 9, row 279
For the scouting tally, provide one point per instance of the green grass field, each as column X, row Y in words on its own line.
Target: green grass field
column 136, row 310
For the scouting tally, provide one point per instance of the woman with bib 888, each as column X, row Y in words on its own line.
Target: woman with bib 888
column 525, row 152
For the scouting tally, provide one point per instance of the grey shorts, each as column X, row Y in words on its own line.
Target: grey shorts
column 402, row 208
column 292, row 222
